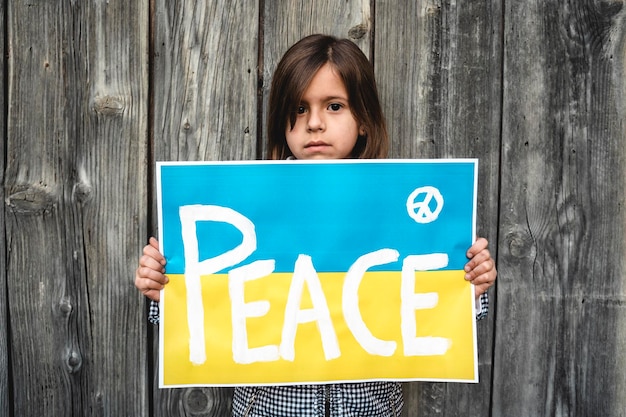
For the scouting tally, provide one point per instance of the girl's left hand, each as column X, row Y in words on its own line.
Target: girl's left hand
column 480, row 270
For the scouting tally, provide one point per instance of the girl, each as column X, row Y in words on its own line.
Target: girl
column 323, row 105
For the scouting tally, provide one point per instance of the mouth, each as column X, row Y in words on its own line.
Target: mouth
column 316, row 144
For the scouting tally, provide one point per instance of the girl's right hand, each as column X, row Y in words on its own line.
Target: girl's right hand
column 150, row 275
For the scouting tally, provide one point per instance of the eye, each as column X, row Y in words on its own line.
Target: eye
column 300, row 110
column 335, row 107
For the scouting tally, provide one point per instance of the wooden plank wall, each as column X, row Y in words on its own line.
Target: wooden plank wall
column 75, row 186
column 561, row 322
column 94, row 92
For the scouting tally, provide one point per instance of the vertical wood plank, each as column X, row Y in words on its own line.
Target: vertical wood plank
column 75, row 206
column 5, row 394
column 561, row 341
column 438, row 65
column 205, row 80
column 205, row 108
column 286, row 22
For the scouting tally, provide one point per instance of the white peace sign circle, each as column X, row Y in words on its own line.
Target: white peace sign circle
column 420, row 211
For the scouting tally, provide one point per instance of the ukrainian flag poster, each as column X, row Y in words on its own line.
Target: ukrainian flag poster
column 298, row 272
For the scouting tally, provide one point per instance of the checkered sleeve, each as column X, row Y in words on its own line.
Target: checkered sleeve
column 483, row 307
column 153, row 312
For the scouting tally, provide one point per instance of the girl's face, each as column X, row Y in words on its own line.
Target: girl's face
column 325, row 127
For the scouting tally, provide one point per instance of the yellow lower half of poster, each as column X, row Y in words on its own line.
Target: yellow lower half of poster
column 382, row 330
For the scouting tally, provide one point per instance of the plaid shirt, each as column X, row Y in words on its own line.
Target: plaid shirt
column 372, row 399
column 375, row 399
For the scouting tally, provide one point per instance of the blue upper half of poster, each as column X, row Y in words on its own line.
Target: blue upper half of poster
column 334, row 212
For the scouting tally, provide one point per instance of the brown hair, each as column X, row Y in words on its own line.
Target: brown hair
column 294, row 73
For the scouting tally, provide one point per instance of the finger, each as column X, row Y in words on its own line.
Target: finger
column 486, row 271
column 480, row 258
column 485, row 279
column 150, row 287
column 150, row 263
column 147, row 284
column 151, row 274
column 480, row 264
column 480, row 244
column 153, row 242
column 154, row 253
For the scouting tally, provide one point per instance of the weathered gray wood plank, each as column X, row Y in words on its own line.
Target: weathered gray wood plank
column 205, row 108
column 5, row 394
column 75, row 206
column 438, row 70
column 286, row 22
column 561, row 340
column 205, row 80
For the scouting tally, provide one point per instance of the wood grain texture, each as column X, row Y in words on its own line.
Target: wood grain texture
column 205, row 80
column 536, row 90
column 75, row 206
column 438, row 70
column 286, row 22
column 561, row 329
column 5, row 393
column 205, row 108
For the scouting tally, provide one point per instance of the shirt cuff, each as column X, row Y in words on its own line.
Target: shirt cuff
column 482, row 306
column 153, row 312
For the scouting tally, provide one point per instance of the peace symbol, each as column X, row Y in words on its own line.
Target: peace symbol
column 420, row 210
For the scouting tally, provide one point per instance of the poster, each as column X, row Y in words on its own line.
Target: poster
column 296, row 272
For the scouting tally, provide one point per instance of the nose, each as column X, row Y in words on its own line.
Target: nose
column 315, row 121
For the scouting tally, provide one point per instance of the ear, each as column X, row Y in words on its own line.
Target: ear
column 362, row 131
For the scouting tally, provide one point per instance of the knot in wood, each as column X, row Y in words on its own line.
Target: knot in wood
column 30, row 200
column 358, row 31
column 198, row 401
column 81, row 192
column 74, row 361
column 433, row 9
column 66, row 307
column 610, row 8
column 520, row 244
column 571, row 217
column 108, row 105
